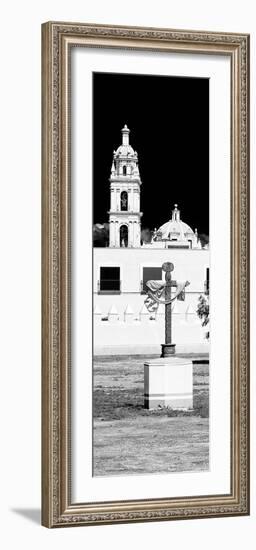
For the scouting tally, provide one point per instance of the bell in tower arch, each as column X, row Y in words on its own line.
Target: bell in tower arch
column 124, row 200
column 123, row 236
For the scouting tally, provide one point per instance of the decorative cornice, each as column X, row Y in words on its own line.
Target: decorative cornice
column 149, row 33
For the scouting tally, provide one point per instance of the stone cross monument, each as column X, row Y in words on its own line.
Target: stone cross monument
column 155, row 291
column 168, row 380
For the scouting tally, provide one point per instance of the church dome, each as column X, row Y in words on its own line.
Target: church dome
column 175, row 229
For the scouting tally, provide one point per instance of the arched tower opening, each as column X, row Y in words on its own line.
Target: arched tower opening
column 124, row 201
column 123, row 236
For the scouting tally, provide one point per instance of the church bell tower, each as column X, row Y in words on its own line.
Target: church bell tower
column 125, row 182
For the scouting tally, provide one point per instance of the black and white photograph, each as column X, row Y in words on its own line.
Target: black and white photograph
column 151, row 274
column 145, row 219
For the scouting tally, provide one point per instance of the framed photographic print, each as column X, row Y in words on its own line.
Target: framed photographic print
column 145, row 274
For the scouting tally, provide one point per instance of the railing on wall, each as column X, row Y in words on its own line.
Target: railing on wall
column 109, row 286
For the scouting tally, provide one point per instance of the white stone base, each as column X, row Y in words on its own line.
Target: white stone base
column 168, row 382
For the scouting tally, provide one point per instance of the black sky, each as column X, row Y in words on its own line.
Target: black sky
column 168, row 119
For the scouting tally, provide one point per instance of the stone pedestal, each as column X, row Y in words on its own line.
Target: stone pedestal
column 168, row 382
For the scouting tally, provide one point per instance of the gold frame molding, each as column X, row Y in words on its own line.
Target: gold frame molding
column 57, row 40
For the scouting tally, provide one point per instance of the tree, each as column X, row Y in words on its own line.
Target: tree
column 203, row 311
column 146, row 235
column 204, row 239
column 100, row 234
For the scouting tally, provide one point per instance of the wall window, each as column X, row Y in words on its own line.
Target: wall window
column 124, row 170
column 109, row 279
column 150, row 273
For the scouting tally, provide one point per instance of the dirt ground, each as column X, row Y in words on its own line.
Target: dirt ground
column 129, row 439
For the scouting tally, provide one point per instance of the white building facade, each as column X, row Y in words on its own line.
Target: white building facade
column 122, row 323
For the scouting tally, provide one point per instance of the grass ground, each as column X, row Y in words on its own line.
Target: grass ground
column 129, row 439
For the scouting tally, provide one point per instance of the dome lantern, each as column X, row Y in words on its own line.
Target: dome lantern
column 176, row 214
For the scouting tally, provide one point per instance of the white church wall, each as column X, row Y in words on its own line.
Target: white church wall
column 146, row 336
column 135, row 329
column 188, row 265
column 135, row 301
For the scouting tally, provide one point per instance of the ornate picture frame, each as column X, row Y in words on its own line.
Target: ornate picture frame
column 58, row 39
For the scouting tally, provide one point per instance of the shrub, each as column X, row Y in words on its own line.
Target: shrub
column 203, row 311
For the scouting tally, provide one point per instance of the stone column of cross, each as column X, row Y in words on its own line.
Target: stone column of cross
column 168, row 348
